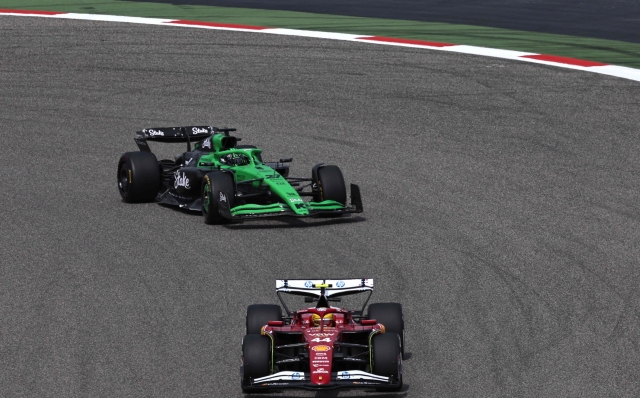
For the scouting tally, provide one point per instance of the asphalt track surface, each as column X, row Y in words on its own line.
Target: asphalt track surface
column 612, row 19
column 501, row 209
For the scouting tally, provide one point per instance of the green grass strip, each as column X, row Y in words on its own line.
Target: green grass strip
column 606, row 51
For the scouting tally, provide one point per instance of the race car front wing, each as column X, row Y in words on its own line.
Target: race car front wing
column 315, row 209
column 342, row 379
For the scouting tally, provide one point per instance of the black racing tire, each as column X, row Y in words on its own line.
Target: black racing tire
column 215, row 185
column 139, row 177
column 390, row 315
column 387, row 359
column 331, row 185
column 259, row 315
column 256, row 359
column 258, row 155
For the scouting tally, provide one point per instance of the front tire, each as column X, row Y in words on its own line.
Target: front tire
column 218, row 188
column 259, row 315
column 387, row 359
column 256, row 359
column 390, row 315
column 330, row 185
column 139, row 177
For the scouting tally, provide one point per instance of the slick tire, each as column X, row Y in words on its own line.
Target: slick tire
column 259, row 315
column 139, row 177
column 331, row 185
column 390, row 315
column 258, row 155
column 387, row 359
column 217, row 188
column 256, row 355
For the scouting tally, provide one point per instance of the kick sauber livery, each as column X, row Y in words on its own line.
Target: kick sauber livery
column 226, row 181
column 323, row 347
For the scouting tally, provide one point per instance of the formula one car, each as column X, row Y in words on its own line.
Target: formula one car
column 323, row 347
column 227, row 181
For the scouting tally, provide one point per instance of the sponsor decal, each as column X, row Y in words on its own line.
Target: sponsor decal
column 223, row 197
column 320, row 363
column 295, row 200
column 321, row 334
column 181, row 181
column 340, row 284
column 320, row 354
column 295, row 376
column 308, row 284
column 345, row 375
column 196, row 130
column 186, row 163
column 153, row 133
column 319, row 340
column 321, row 309
column 207, row 143
column 321, row 370
column 321, row 348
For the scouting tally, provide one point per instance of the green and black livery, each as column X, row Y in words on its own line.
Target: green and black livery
column 227, row 181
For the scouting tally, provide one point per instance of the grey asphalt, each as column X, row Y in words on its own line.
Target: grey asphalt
column 501, row 209
column 613, row 19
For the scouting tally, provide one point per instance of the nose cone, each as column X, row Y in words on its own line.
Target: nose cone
column 281, row 188
column 321, row 345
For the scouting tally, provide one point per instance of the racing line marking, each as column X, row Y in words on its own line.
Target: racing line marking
column 554, row 60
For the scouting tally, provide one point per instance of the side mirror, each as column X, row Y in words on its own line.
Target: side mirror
column 287, row 160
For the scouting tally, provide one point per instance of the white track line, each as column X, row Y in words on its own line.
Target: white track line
column 562, row 62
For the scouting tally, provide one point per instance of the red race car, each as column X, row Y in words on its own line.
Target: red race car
column 323, row 347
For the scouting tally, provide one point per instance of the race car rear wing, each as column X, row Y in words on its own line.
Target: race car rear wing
column 331, row 287
column 323, row 289
column 177, row 134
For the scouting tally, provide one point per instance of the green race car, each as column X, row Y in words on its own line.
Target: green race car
column 227, row 181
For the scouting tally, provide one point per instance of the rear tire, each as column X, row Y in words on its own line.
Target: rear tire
column 217, row 185
column 256, row 359
column 139, row 177
column 259, row 315
column 390, row 315
column 387, row 359
column 330, row 185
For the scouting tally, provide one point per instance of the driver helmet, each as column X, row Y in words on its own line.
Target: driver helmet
column 327, row 319
column 236, row 159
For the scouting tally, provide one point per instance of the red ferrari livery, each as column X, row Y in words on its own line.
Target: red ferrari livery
column 323, row 347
